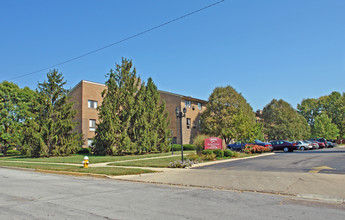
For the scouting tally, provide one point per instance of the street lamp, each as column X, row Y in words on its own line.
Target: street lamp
column 180, row 114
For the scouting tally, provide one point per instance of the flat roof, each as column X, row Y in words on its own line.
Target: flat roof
column 169, row 93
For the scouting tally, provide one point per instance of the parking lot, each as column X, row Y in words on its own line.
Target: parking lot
column 329, row 160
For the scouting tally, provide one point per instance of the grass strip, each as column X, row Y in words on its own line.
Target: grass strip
column 95, row 170
column 165, row 162
column 78, row 158
column 159, row 162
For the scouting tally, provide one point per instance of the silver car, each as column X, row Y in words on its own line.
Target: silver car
column 303, row 145
column 313, row 144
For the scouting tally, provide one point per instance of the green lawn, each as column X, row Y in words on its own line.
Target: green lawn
column 66, row 168
column 159, row 162
column 77, row 159
column 164, row 162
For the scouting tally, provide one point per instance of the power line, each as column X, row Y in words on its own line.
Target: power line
column 120, row 41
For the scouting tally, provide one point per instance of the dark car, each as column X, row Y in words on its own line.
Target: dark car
column 239, row 146
column 331, row 144
column 285, row 146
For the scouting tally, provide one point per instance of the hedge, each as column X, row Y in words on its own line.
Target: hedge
column 177, row 147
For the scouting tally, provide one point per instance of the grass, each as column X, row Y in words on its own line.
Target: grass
column 165, row 162
column 77, row 159
column 66, row 168
column 159, row 162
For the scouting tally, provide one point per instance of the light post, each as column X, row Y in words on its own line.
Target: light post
column 180, row 114
column 172, row 145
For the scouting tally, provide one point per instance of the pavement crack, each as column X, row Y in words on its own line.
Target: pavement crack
column 289, row 186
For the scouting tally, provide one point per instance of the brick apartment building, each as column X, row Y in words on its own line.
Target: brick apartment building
column 87, row 96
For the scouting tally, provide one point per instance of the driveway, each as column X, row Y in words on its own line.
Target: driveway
column 330, row 160
column 298, row 174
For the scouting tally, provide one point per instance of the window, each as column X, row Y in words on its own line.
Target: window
column 89, row 142
column 92, row 104
column 187, row 103
column 188, row 123
column 199, row 106
column 92, row 124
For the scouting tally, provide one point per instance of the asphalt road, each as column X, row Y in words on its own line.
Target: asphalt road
column 330, row 160
column 31, row 195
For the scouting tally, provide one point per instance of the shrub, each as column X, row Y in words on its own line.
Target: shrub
column 252, row 149
column 235, row 154
column 188, row 147
column 199, row 142
column 219, row 153
column 210, row 157
column 207, row 152
column 13, row 153
column 195, row 157
column 177, row 147
column 228, row 153
column 180, row 164
column 82, row 150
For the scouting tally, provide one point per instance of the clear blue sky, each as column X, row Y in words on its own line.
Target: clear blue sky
column 265, row 49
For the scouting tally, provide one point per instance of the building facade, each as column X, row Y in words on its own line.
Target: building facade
column 87, row 96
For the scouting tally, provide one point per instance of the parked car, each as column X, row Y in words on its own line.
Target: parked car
column 302, row 145
column 313, row 144
column 331, row 144
column 239, row 146
column 286, row 146
column 323, row 140
column 321, row 144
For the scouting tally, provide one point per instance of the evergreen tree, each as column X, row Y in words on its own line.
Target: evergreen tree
column 49, row 131
column 132, row 117
column 117, row 110
column 157, row 118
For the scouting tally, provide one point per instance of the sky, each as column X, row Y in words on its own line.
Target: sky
column 267, row 49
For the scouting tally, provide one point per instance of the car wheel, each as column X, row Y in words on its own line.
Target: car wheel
column 302, row 148
column 286, row 149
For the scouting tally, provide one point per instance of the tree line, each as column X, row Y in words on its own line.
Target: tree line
column 133, row 119
column 40, row 123
column 229, row 116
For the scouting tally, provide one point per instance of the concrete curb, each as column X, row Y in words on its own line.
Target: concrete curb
column 230, row 160
column 322, row 198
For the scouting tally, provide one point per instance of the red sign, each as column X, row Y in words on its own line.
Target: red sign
column 213, row 143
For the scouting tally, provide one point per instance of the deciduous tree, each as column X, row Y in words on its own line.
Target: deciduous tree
column 228, row 115
column 282, row 122
column 323, row 127
column 14, row 105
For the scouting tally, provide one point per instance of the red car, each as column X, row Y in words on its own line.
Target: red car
column 321, row 144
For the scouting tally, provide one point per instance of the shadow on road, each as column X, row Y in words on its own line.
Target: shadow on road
column 312, row 152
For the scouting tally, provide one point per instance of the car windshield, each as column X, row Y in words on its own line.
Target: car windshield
column 258, row 141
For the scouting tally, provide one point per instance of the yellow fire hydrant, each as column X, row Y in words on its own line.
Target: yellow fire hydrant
column 86, row 162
